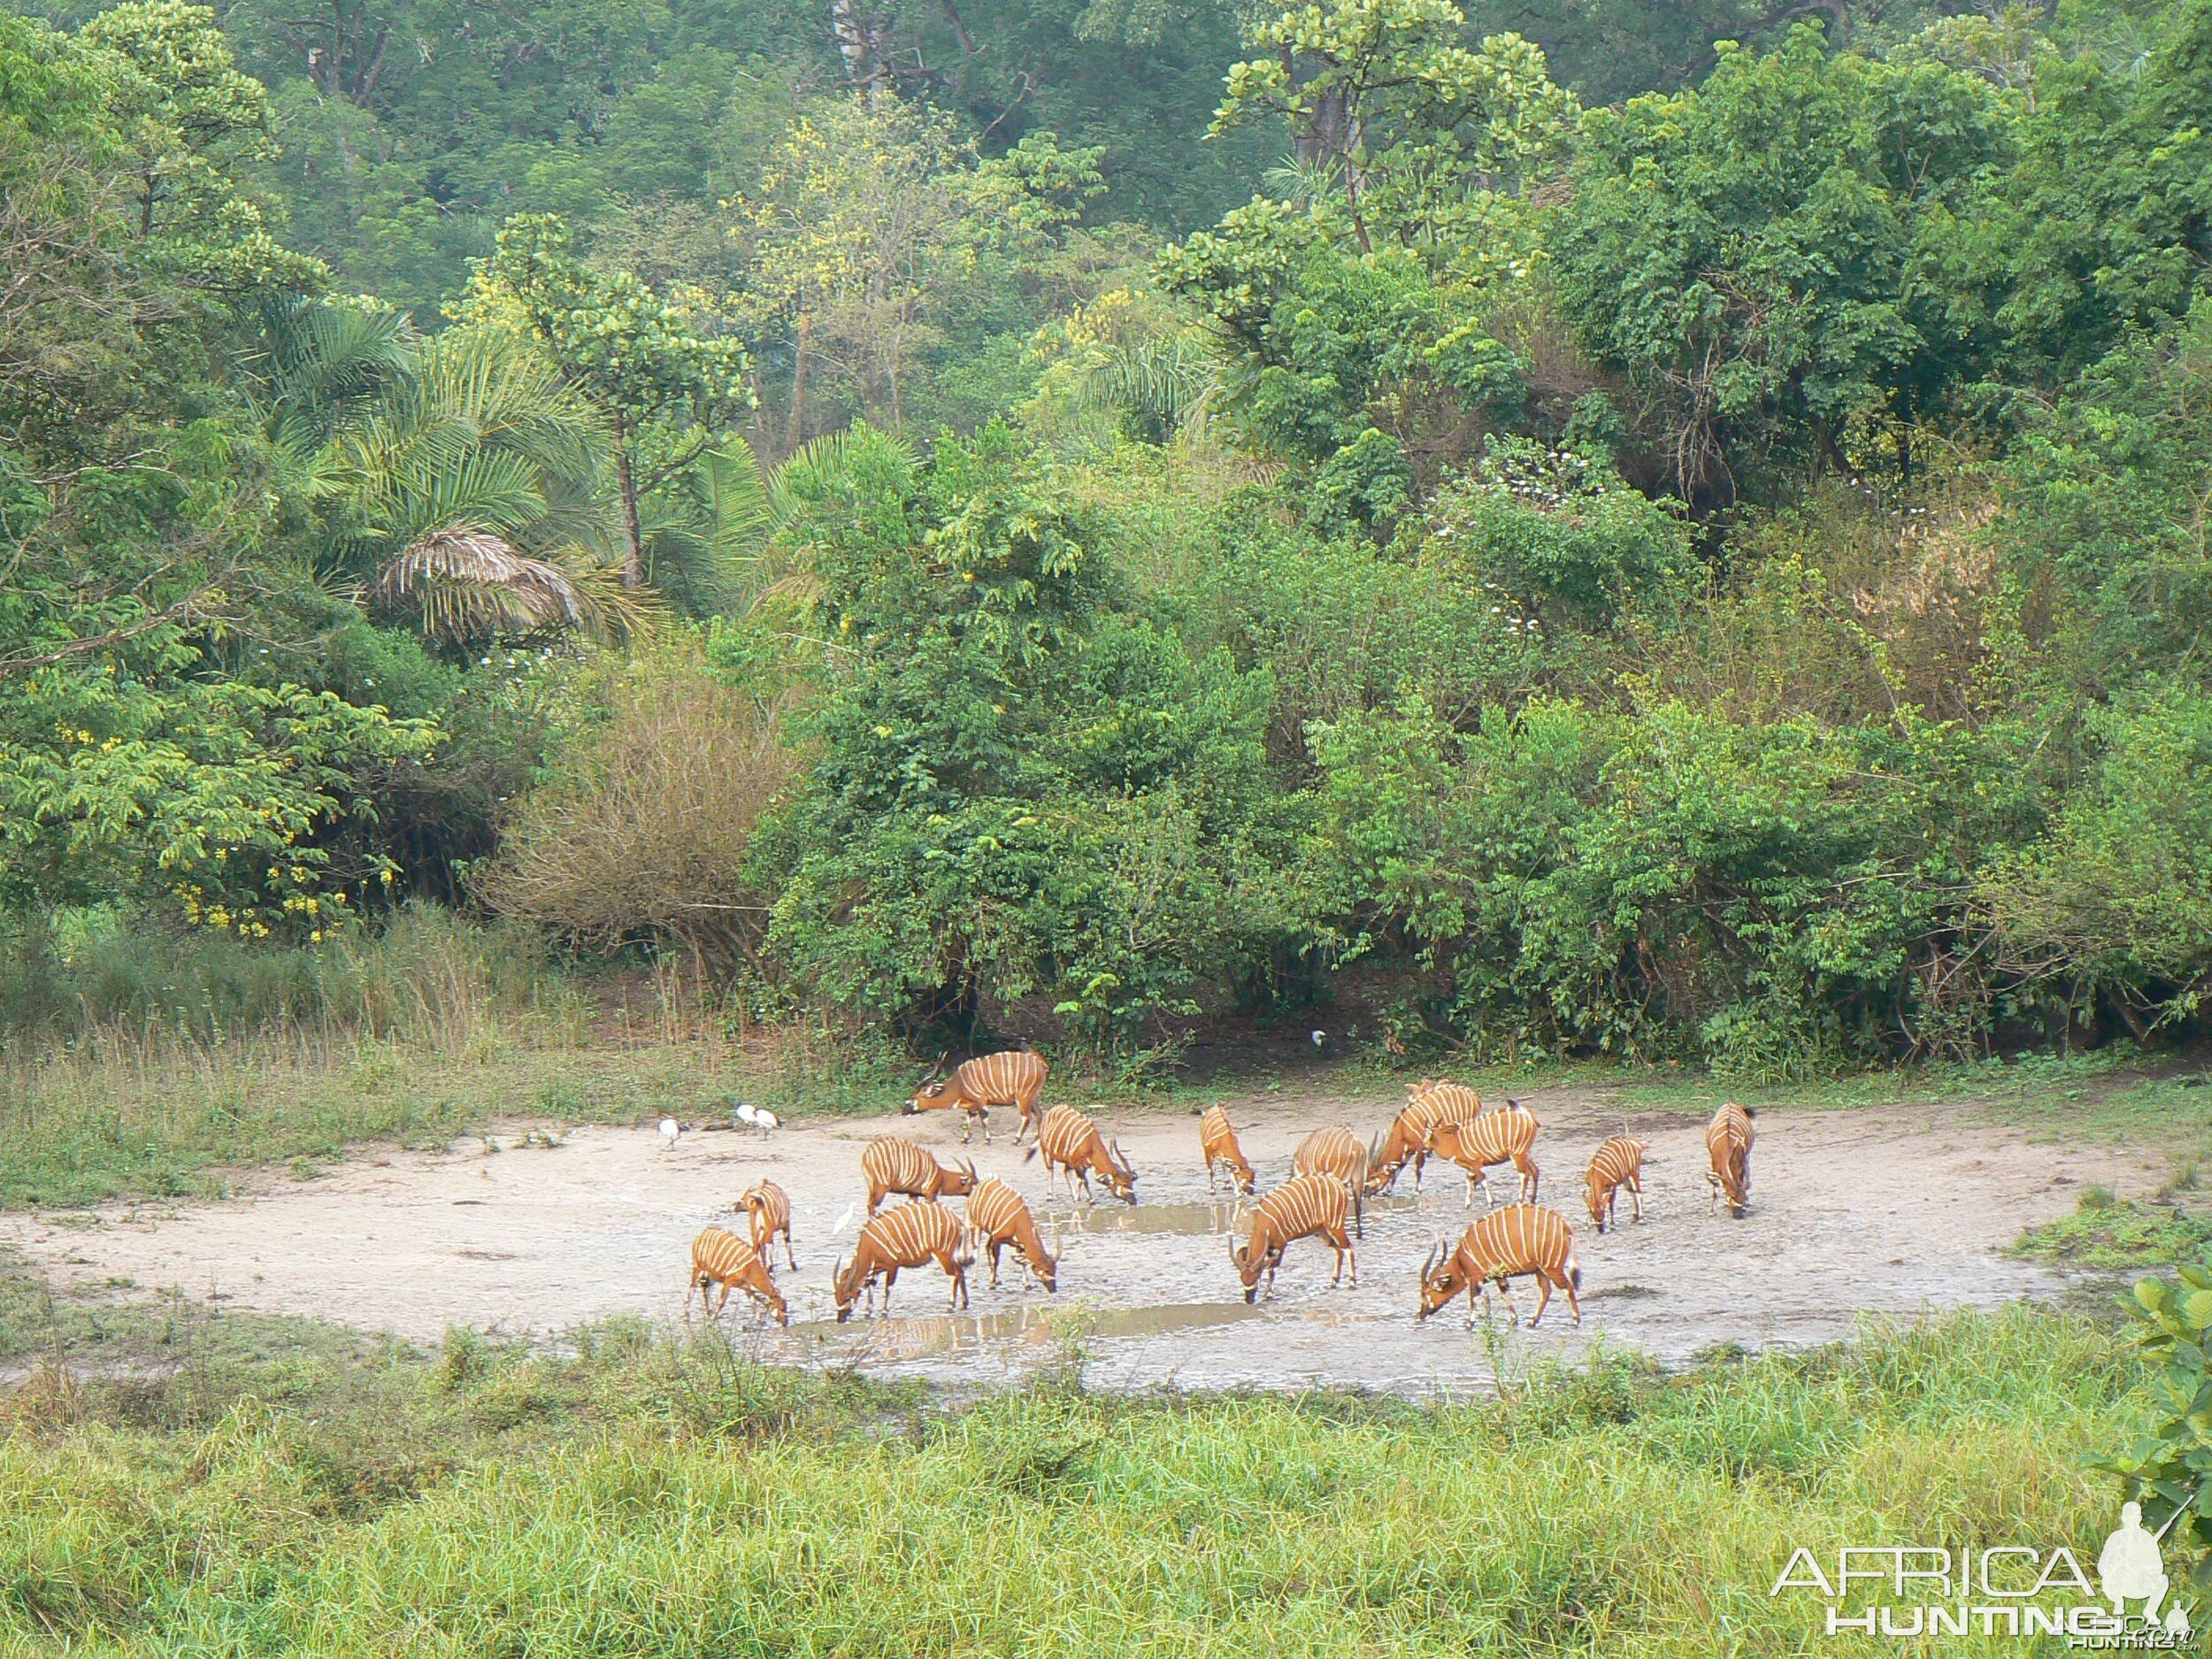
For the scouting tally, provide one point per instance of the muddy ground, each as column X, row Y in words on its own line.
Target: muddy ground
column 1889, row 1210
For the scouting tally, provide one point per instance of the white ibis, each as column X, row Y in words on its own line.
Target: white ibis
column 670, row 1131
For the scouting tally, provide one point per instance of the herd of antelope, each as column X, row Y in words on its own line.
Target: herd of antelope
column 1332, row 1173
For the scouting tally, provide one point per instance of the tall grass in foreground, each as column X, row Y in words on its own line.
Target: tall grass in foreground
column 643, row 1498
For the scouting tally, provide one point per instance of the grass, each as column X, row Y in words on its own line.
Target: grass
column 179, row 1483
column 2108, row 1232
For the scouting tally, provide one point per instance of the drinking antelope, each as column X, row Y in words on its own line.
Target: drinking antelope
column 1498, row 1137
column 1728, row 1146
column 1303, row 1207
column 720, row 1257
column 1428, row 1103
column 1617, row 1163
column 1519, row 1239
column 1013, row 1077
column 905, row 1237
column 1217, row 1139
column 1072, row 1144
column 893, row 1165
column 1337, row 1152
column 767, row 1209
column 997, row 1217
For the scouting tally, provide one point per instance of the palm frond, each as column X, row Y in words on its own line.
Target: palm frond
column 465, row 584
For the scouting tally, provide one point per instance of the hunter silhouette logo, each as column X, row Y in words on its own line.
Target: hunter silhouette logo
column 2130, row 1568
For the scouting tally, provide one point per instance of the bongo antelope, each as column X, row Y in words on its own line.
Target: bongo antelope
column 1618, row 1162
column 1519, row 1239
column 1217, row 1139
column 1499, row 1137
column 1304, row 1207
column 1728, row 1145
column 767, row 1208
column 997, row 1217
column 1072, row 1144
column 720, row 1257
column 893, row 1165
column 1337, row 1152
column 1428, row 1103
column 905, row 1237
column 1013, row 1077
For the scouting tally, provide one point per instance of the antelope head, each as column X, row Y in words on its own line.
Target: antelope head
column 1440, row 1280
column 1121, row 1180
column 845, row 1285
column 930, row 1092
column 1249, row 1265
column 1593, row 1195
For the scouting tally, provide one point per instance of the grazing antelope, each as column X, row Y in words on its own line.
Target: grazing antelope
column 905, row 1237
column 1072, row 1144
column 1498, row 1137
column 893, row 1165
column 1217, row 1139
column 1301, row 1207
column 1519, row 1239
column 998, row 1217
column 1618, row 1162
column 720, row 1257
column 1337, row 1152
column 767, row 1209
column 1728, row 1145
column 1013, row 1077
column 1428, row 1103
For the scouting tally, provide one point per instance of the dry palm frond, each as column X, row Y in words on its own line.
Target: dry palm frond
column 468, row 584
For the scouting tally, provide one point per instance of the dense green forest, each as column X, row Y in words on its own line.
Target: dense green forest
column 1677, row 531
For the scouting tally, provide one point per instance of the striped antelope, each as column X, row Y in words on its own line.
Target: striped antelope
column 905, row 1237
column 1498, row 1137
column 1728, row 1145
column 1338, row 1152
column 1519, row 1239
column 893, row 1165
column 998, row 1217
column 1012, row 1077
column 1217, row 1139
column 1304, row 1207
column 1617, row 1163
column 1428, row 1103
column 1073, row 1145
column 719, row 1256
column 767, row 1209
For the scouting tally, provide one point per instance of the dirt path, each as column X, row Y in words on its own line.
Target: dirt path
column 1885, row 1210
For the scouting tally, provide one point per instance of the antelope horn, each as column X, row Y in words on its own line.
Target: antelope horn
column 938, row 1070
column 967, row 1166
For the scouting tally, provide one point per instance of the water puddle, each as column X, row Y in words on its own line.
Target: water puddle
column 1190, row 1220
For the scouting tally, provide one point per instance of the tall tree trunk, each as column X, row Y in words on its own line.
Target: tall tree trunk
column 794, row 423
column 634, row 537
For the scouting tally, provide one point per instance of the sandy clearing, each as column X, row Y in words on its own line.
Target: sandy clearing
column 1886, row 1210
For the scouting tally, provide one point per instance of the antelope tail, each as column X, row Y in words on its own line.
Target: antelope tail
column 1029, row 1152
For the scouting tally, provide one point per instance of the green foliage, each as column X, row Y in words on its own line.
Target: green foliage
column 2168, row 1468
column 2105, row 1234
column 1778, row 254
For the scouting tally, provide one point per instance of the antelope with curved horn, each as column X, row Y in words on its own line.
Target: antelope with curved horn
column 1072, row 1144
column 1338, row 1152
column 905, row 1237
column 1519, row 1239
column 997, row 1217
column 1498, row 1137
column 1013, row 1077
column 720, row 1257
column 1217, row 1139
column 1304, row 1207
column 1728, row 1140
column 1617, row 1163
column 767, row 1209
column 894, row 1165
column 1428, row 1103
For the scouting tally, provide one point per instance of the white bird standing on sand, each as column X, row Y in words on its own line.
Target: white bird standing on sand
column 766, row 1121
column 669, row 1130
column 844, row 1221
